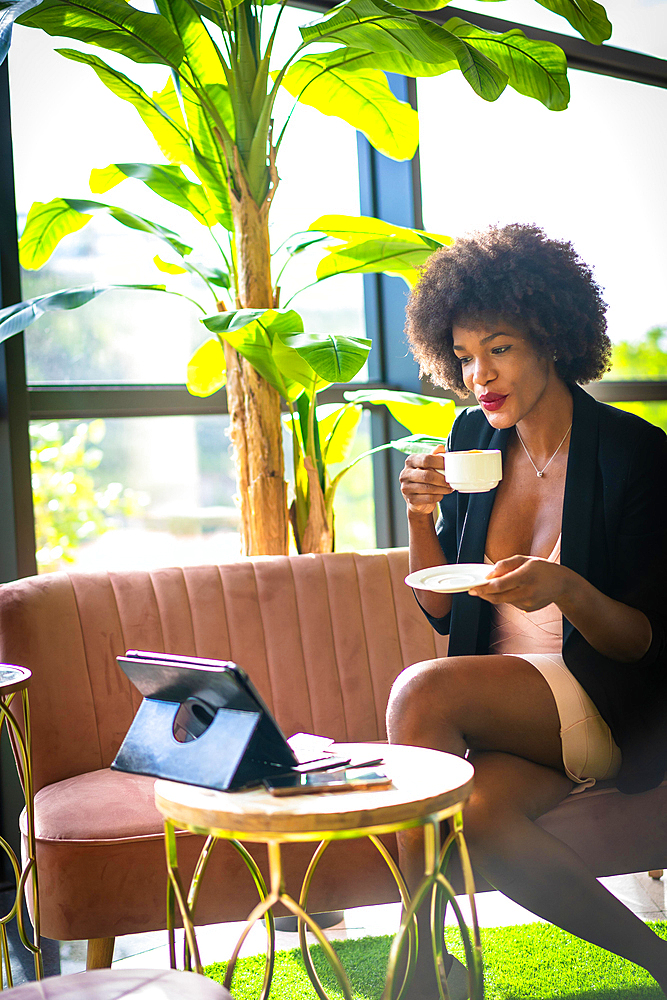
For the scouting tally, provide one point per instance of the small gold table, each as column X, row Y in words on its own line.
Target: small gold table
column 429, row 787
column 14, row 681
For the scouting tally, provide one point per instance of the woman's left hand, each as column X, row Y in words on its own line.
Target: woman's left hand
column 527, row 582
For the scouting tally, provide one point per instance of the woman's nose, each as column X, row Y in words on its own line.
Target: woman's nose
column 483, row 372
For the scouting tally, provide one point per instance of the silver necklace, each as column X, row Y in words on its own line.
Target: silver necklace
column 539, row 472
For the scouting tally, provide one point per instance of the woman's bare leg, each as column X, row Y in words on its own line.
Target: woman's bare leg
column 462, row 703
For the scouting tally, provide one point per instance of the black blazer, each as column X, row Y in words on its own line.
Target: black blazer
column 613, row 534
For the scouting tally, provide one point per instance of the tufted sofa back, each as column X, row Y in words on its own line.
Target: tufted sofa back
column 322, row 638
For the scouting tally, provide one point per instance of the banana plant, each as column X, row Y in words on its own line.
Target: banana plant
column 297, row 365
column 214, row 121
column 324, row 436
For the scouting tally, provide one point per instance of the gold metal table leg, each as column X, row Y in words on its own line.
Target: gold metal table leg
column 186, row 904
column 21, row 741
column 435, row 883
column 405, row 899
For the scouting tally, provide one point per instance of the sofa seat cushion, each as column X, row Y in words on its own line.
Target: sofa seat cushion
column 611, row 832
column 99, row 807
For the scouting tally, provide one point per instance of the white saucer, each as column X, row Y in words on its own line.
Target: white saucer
column 452, row 579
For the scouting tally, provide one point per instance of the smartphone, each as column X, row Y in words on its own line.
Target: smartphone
column 344, row 780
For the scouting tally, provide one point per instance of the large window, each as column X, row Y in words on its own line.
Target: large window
column 592, row 174
column 180, row 466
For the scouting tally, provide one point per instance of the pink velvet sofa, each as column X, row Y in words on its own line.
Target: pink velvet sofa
column 322, row 637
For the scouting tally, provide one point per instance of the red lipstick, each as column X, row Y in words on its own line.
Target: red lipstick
column 492, row 400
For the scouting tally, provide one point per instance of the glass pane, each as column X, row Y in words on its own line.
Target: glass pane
column 640, row 25
column 645, row 360
column 147, row 336
column 592, row 174
column 133, row 493
column 354, row 507
column 156, row 491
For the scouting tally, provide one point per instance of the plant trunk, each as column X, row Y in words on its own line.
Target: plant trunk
column 318, row 535
column 254, row 405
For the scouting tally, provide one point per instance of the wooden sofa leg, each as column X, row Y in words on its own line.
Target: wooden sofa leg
column 100, row 953
column 657, row 873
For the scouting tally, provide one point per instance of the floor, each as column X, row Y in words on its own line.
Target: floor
column 645, row 896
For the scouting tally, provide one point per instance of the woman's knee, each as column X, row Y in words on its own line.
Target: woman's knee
column 423, row 692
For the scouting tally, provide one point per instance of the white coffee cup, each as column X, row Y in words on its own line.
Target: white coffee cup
column 473, row 471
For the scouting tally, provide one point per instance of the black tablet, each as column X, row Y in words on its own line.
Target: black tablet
column 201, row 687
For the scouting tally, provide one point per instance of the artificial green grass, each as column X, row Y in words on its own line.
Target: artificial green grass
column 528, row 962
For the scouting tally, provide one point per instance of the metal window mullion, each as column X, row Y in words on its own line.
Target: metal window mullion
column 391, row 191
column 17, row 529
column 17, row 533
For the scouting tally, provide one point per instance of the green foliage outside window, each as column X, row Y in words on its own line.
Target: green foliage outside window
column 69, row 507
column 646, row 361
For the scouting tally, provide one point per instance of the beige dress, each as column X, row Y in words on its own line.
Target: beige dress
column 589, row 750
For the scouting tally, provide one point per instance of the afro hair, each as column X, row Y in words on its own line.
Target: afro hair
column 517, row 274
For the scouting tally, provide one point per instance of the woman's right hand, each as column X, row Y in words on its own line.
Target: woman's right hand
column 422, row 485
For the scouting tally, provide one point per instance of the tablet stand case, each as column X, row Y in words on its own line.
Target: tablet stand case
column 238, row 748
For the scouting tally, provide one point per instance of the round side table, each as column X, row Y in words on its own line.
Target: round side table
column 14, row 683
column 428, row 787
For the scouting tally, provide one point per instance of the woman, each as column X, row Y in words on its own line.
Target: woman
column 553, row 662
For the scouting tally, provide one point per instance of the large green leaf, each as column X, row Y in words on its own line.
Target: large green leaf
column 375, row 25
column 48, row 223
column 167, row 268
column 163, row 116
column 235, row 319
column 360, row 97
column 335, row 357
column 111, row 24
column 252, row 332
column 420, row 414
column 132, row 221
column 14, row 319
column 205, row 99
column 166, row 180
column 214, row 275
column 166, row 126
column 389, row 61
column 8, row 14
column 589, row 18
column 211, row 275
column 338, row 427
column 379, row 26
column 535, row 69
column 372, row 245
column 201, row 54
column 422, row 4
column 296, row 371
column 206, row 369
column 208, row 154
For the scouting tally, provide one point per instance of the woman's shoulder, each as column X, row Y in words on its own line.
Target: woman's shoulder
column 629, row 430
column 626, row 429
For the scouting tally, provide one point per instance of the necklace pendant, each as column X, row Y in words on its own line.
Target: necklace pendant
column 540, row 474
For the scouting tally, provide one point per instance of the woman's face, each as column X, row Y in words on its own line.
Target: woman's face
column 500, row 365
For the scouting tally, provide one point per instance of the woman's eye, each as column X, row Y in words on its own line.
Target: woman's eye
column 464, row 361
column 501, row 350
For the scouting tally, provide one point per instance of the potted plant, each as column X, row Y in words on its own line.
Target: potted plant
column 215, row 117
